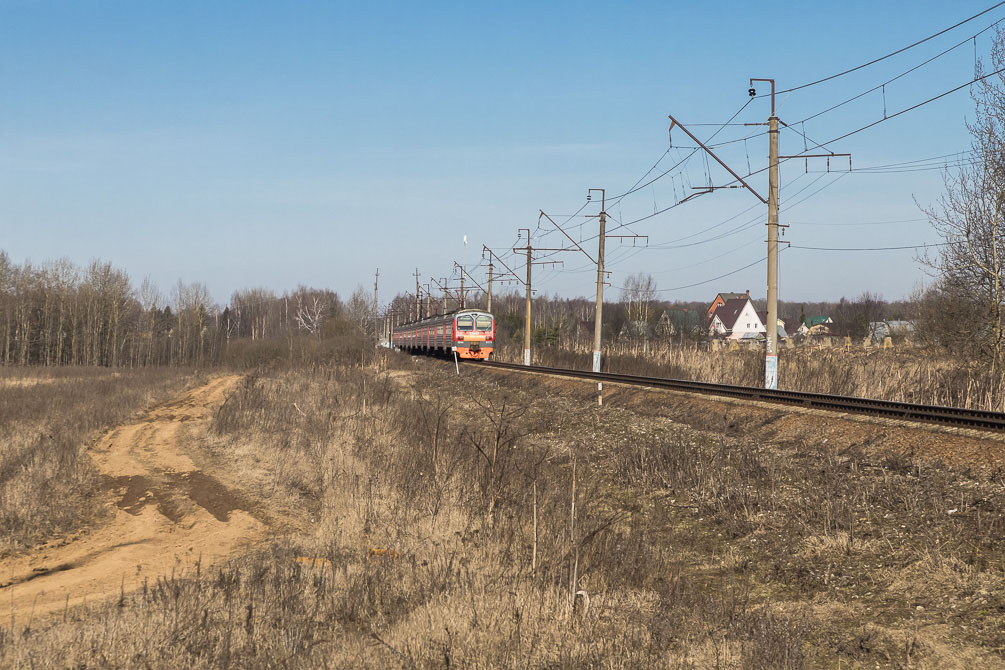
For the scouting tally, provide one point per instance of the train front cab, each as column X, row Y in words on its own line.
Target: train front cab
column 474, row 335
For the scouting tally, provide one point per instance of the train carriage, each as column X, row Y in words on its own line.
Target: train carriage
column 469, row 332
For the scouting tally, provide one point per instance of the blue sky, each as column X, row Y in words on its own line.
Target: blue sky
column 246, row 144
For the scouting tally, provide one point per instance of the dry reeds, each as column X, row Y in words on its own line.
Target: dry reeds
column 905, row 374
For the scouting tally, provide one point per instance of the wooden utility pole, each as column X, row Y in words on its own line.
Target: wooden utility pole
column 418, row 305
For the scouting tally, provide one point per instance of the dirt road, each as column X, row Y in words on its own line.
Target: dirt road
column 165, row 514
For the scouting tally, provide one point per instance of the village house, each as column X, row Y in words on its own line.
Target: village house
column 720, row 300
column 880, row 330
column 736, row 319
column 679, row 322
column 780, row 331
column 815, row 325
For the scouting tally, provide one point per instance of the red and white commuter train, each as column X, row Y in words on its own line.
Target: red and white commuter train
column 469, row 332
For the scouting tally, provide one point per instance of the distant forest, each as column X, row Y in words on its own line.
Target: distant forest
column 59, row 313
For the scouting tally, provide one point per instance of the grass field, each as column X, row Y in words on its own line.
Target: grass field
column 428, row 521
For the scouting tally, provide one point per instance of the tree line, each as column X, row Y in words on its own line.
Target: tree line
column 60, row 313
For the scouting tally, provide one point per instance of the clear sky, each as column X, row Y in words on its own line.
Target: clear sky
column 246, row 144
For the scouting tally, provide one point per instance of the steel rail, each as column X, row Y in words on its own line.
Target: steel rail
column 972, row 418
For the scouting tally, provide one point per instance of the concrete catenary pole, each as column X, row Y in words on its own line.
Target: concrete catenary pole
column 526, row 324
column 418, row 304
column 488, row 306
column 771, row 352
column 598, row 325
column 460, row 298
column 376, row 334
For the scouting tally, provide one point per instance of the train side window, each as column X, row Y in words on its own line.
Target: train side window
column 483, row 322
column 465, row 323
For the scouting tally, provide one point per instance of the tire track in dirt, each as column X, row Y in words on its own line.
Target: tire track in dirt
column 165, row 515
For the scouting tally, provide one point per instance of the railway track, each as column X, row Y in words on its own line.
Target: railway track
column 970, row 418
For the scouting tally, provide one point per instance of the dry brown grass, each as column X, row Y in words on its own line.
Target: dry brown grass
column 48, row 416
column 697, row 549
column 905, row 373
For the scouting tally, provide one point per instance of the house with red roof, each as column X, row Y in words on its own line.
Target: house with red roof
column 720, row 300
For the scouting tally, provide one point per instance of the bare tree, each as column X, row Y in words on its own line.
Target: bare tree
column 360, row 308
column 853, row 317
column 312, row 309
column 638, row 294
column 970, row 267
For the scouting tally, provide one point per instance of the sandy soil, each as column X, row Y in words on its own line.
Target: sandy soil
column 165, row 515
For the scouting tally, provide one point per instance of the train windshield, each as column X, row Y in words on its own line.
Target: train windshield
column 483, row 322
column 465, row 323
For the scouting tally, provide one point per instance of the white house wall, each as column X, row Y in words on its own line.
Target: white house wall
column 747, row 322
